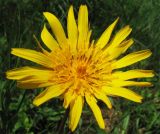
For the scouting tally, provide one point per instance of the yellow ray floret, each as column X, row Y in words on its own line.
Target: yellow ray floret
column 48, row 39
column 103, row 40
column 131, row 74
column 122, row 92
column 72, row 30
column 79, row 69
column 75, row 112
column 82, row 26
column 96, row 110
column 57, row 28
column 132, row 58
column 34, row 56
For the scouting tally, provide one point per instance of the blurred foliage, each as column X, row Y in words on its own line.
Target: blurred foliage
column 20, row 19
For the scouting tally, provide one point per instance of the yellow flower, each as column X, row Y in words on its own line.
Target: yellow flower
column 80, row 70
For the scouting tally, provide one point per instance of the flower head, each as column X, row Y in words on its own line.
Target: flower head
column 78, row 69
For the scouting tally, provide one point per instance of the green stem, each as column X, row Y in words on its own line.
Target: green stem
column 63, row 121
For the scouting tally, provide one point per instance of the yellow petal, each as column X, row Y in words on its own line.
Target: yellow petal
column 33, row 85
column 75, row 112
column 32, row 55
column 119, row 37
column 82, row 26
column 103, row 40
column 120, row 83
column 30, row 73
column 68, row 97
column 104, row 98
column 117, row 51
column 132, row 58
column 96, row 110
column 47, row 94
column 56, row 28
column 29, row 78
column 87, row 43
column 131, row 74
column 123, row 92
column 72, row 30
column 40, row 46
column 48, row 39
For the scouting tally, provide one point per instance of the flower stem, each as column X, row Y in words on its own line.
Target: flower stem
column 62, row 123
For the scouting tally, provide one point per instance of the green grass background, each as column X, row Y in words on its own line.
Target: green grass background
column 20, row 19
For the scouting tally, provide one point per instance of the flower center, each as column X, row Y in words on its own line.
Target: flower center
column 81, row 71
column 85, row 70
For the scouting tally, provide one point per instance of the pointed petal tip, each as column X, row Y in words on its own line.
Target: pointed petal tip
column 102, row 127
column 7, row 74
column 110, row 107
column 153, row 73
column 71, row 6
column 72, row 129
column 128, row 28
column 140, row 99
column 131, row 40
column 13, row 50
column 147, row 52
column 84, row 7
column 148, row 84
column 45, row 13
column 117, row 20
column 150, row 52
column 70, row 9
column 65, row 106
column 36, row 103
